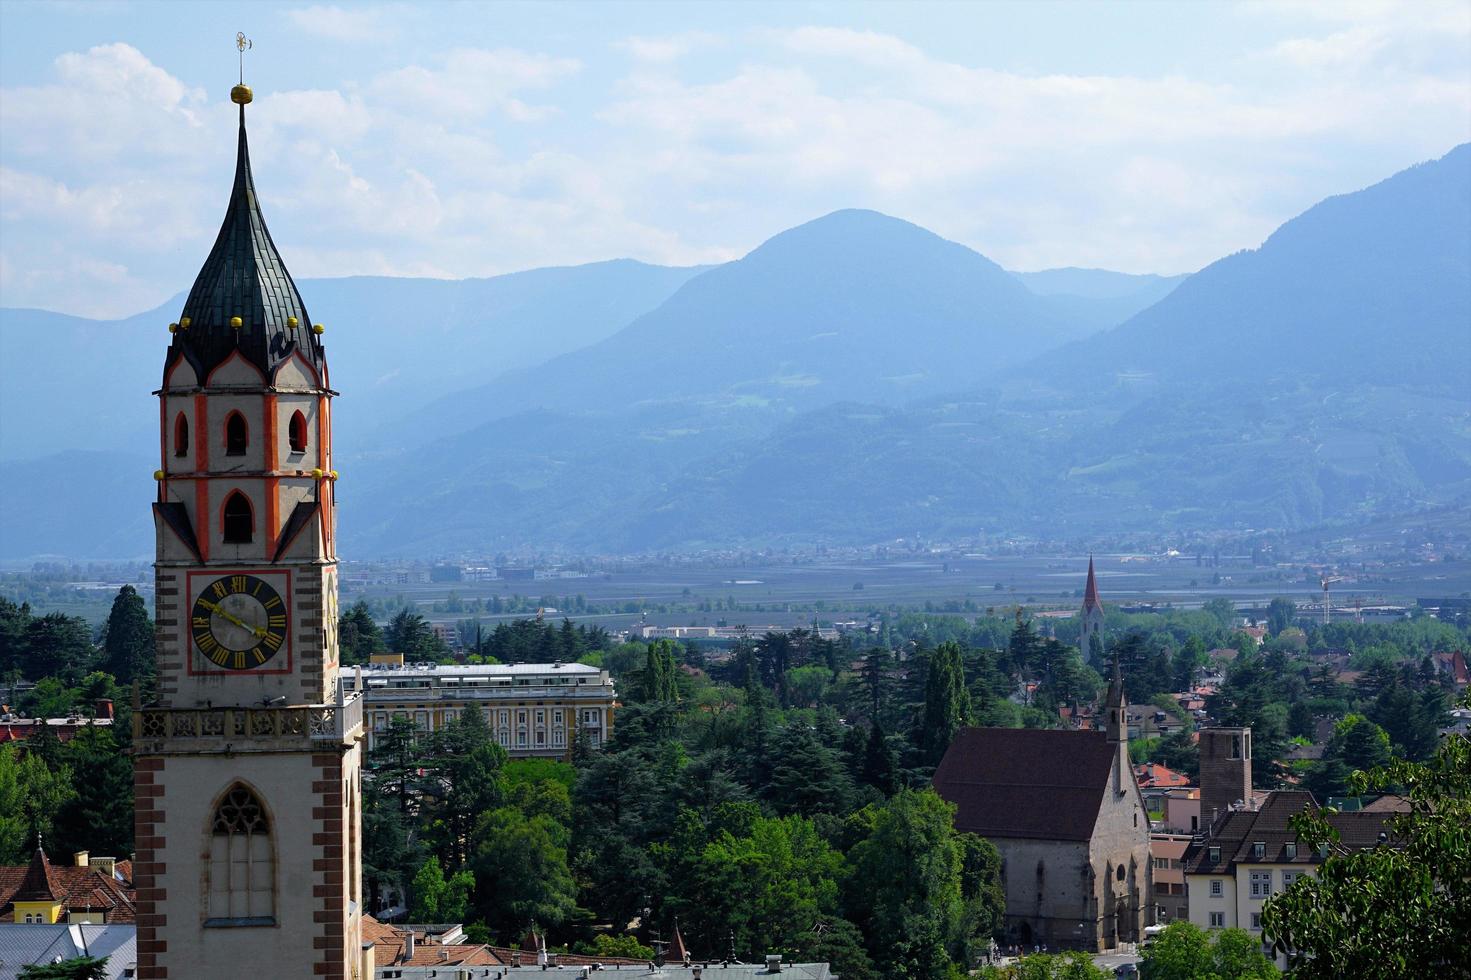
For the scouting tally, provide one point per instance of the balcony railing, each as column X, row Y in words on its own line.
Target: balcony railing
column 314, row 723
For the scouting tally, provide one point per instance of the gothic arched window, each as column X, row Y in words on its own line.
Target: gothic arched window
column 242, row 862
column 237, row 435
column 239, row 519
column 181, row 435
column 296, row 432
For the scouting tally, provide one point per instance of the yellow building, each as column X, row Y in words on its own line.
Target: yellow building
column 533, row 709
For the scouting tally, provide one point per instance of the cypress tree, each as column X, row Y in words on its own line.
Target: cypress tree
column 128, row 641
column 946, row 703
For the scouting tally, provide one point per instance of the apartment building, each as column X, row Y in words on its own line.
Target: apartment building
column 533, row 709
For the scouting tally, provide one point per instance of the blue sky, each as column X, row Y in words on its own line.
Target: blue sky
column 474, row 139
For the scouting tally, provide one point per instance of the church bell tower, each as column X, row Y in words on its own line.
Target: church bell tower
column 247, row 760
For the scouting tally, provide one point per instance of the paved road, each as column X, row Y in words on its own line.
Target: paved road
column 1110, row 961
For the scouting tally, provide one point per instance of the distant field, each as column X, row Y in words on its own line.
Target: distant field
column 790, row 594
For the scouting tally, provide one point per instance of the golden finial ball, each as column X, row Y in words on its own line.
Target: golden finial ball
column 318, row 329
column 292, row 321
column 317, row 474
column 241, row 95
column 158, row 474
column 236, row 323
column 183, row 323
column 333, row 474
column 173, row 328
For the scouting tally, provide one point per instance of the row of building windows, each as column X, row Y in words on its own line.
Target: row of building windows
column 1260, row 883
column 237, row 434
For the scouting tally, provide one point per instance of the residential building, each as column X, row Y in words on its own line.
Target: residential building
column 1250, row 854
column 1066, row 813
column 95, row 891
column 533, row 709
column 1167, row 855
column 246, row 763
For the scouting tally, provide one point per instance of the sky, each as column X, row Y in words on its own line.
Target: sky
column 455, row 140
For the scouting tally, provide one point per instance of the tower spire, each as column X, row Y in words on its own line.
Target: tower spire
column 1090, row 591
column 244, row 299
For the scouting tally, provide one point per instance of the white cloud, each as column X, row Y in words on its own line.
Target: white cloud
column 668, row 47
column 471, row 82
column 361, row 23
column 471, row 161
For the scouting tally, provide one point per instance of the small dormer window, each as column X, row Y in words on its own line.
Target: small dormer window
column 1258, row 850
column 1291, row 850
column 237, row 435
column 296, row 432
column 181, row 435
column 1214, row 855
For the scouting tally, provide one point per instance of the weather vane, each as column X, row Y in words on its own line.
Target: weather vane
column 243, row 44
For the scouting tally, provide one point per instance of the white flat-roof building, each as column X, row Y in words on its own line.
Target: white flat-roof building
column 533, row 709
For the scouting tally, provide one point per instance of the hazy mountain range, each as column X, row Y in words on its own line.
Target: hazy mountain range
column 853, row 379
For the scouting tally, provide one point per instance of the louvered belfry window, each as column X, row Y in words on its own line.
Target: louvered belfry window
column 242, row 864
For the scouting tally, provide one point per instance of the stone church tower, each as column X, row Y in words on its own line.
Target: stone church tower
column 1090, row 638
column 246, row 764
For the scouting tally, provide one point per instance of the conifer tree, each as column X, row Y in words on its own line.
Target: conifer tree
column 946, row 703
column 127, row 642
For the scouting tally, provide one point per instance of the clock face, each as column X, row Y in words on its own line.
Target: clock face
column 239, row 621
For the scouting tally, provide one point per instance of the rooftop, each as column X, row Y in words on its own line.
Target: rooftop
column 1020, row 782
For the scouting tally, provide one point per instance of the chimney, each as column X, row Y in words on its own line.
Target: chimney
column 80, row 859
column 408, row 945
column 773, row 962
column 1225, row 769
column 104, row 708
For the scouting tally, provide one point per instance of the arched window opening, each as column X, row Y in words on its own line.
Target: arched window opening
column 239, row 522
column 237, row 436
column 181, row 435
column 297, row 433
column 242, row 863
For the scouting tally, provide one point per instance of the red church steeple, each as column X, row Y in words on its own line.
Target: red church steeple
column 1090, row 591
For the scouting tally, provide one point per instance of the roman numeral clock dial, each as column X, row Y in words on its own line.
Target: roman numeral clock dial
column 238, row 622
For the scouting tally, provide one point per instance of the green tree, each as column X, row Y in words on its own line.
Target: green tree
column 98, row 816
column 904, row 887
column 1184, row 951
column 880, row 762
column 1047, row 966
column 1401, row 910
column 805, row 776
column 470, row 766
column 1357, row 744
column 657, row 682
column 409, row 633
column 522, row 872
column 946, row 703
column 127, row 639
column 766, row 880
column 358, row 636
column 838, row 943
column 35, row 794
column 78, row 968
column 1221, row 609
column 437, row 899
column 57, row 645
column 624, row 946
column 1281, row 613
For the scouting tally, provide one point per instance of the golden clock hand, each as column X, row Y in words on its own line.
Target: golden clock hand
column 229, row 617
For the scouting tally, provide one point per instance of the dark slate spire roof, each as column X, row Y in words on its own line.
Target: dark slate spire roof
column 1090, row 591
column 244, row 276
